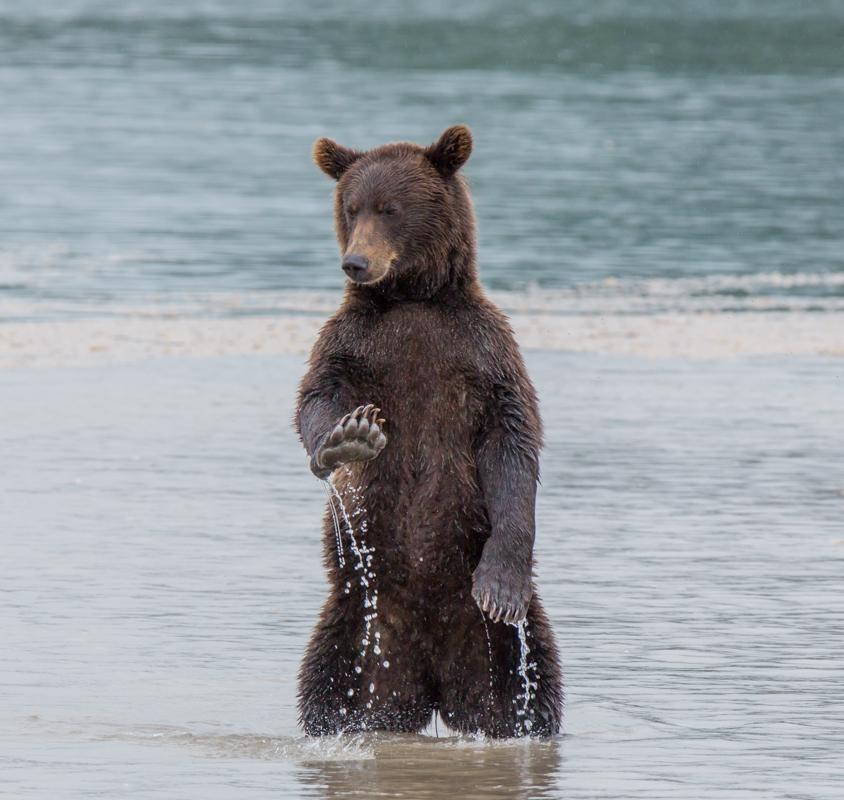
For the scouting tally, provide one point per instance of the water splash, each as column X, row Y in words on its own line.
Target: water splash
column 489, row 651
column 341, row 559
column 529, row 686
column 363, row 566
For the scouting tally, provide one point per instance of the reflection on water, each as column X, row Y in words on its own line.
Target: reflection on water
column 419, row 769
column 382, row 765
column 162, row 573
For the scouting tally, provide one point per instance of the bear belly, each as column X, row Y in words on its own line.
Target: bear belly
column 423, row 513
column 423, row 506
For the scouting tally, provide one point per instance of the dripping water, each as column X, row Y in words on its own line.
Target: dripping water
column 338, row 538
column 488, row 649
column 363, row 556
column 529, row 686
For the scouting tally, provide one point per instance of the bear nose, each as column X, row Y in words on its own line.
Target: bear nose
column 356, row 266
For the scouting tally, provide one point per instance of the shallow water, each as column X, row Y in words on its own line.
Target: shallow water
column 162, row 571
column 152, row 148
column 649, row 181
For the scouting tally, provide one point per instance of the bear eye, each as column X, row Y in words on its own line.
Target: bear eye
column 351, row 210
column 390, row 209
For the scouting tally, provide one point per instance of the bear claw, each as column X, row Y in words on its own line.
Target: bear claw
column 358, row 436
column 502, row 595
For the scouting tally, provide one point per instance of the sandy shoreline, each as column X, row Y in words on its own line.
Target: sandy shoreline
column 677, row 335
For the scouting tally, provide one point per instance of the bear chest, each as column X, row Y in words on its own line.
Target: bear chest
column 423, row 370
column 418, row 366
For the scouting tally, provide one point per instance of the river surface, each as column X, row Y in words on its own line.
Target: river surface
column 162, row 572
column 660, row 194
column 153, row 149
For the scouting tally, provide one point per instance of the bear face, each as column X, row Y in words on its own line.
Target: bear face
column 403, row 215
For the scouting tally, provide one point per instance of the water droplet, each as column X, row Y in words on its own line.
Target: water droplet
column 362, row 555
column 528, row 685
column 341, row 560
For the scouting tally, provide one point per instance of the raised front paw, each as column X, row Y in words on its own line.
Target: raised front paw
column 358, row 436
column 501, row 593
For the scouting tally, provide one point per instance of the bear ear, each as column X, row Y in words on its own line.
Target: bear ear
column 334, row 159
column 451, row 150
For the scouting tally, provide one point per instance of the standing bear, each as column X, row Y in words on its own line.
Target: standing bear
column 417, row 404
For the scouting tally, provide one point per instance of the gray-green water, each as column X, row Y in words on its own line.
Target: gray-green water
column 153, row 148
column 162, row 570
column 651, row 179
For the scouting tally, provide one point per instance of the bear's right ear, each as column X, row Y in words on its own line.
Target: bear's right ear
column 334, row 159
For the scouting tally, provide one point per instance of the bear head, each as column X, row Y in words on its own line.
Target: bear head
column 403, row 214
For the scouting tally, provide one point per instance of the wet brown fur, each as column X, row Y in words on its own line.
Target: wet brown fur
column 453, row 489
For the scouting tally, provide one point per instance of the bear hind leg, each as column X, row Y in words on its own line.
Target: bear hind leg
column 484, row 692
column 334, row 697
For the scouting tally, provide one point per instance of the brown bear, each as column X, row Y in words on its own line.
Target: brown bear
column 431, row 572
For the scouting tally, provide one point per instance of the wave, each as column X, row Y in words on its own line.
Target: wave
column 819, row 292
column 758, row 292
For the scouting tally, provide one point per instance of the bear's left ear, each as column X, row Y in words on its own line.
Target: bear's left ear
column 334, row 159
column 451, row 151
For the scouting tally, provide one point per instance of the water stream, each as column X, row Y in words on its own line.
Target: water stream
column 363, row 566
column 528, row 684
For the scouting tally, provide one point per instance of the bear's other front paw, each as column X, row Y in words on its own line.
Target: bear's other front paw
column 359, row 436
column 501, row 592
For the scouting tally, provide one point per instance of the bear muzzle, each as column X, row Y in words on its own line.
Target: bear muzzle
column 356, row 267
column 369, row 255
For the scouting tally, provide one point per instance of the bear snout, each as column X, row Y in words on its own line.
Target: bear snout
column 356, row 267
